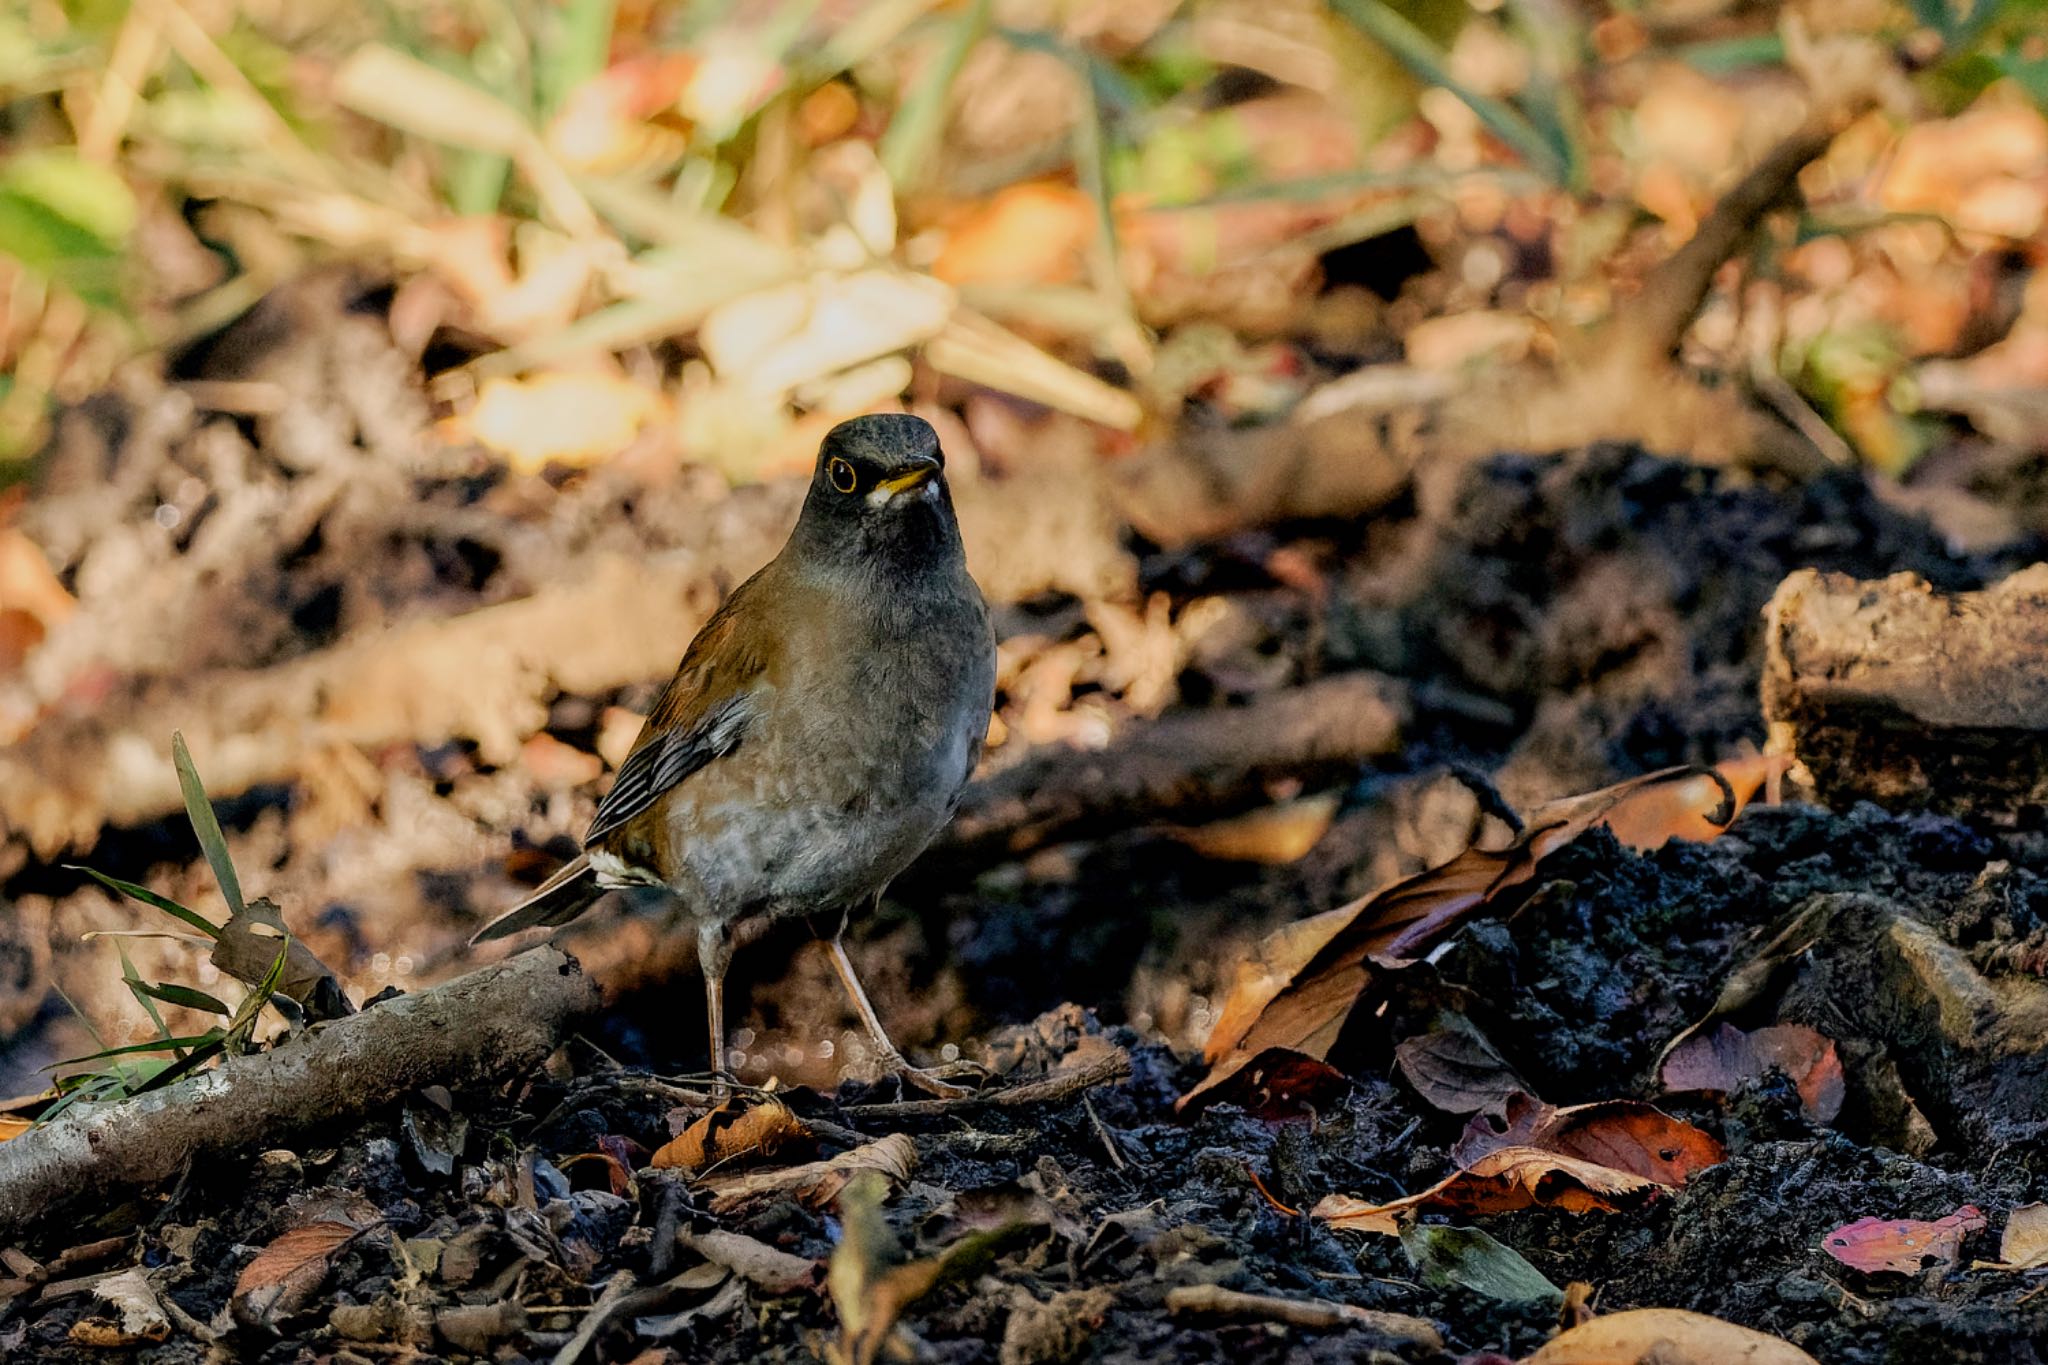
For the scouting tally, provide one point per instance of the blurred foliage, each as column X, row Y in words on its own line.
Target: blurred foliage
column 784, row 187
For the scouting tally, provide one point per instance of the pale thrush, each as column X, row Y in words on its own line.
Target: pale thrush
column 819, row 729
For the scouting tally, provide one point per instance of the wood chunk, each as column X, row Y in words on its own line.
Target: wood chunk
column 1892, row 692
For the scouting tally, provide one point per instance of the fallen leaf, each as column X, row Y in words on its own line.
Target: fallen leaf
column 1498, row 1182
column 1272, row 835
column 286, row 1274
column 1723, row 1060
column 728, row 1134
column 1303, row 981
column 12, row 1127
column 775, row 339
column 1903, row 1246
column 1665, row 1336
column 872, row 1285
column 1469, row 1259
column 1037, row 232
column 1456, row 1069
column 1279, row 1085
column 1623, row 1135
column 248, row 945
column 142, row 1317
column 820, row 1182
column 561, row 418
column 774, row 1272
column 2024, row 1244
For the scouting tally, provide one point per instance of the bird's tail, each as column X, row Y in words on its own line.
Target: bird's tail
column 560, row 899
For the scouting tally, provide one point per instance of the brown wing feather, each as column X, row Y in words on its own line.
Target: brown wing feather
column 702, row 715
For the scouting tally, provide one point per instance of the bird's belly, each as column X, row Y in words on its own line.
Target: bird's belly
column 740, row 859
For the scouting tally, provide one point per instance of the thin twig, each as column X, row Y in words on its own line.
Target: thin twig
column 1107, row 1071
column 1116, row 1158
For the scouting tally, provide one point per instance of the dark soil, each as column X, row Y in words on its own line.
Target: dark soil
column 1565, row 621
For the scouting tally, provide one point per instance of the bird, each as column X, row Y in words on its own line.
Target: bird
column 818, row 732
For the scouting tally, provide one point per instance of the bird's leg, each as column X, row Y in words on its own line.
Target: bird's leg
column 892, row 1060
column 714, row 955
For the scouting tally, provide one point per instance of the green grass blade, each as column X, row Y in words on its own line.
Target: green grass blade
column 173, row 994
column 184, row 1066
column 243, row 1024
column 913, row 134
column 157, row 1045
column 206, row 825
column 149, row 897
column 1413, row 49
column 139, row 989
column 573, row 49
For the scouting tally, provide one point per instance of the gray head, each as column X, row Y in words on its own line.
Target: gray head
column 879, row 490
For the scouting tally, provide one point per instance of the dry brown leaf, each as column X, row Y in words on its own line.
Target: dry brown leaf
column 820, row 1182
column 1272, row 835
column 1666, row 1336
column 776, row 1272
column 287, row 1273
column 1279, row 1085
column 872, row 1285
column 567, row 418
column 1303, row 981
column 2024, row 1244
column 12, row 1127
column 1498, row 1182
column 1723, row 1060
column 1456, row 1069
column 1623, row 1135
column 727, row 1134
column 1903, row 1246
column 1033, row 233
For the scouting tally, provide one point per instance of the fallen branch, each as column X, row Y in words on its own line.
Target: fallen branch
column 489, row 1024
column 1318, row 1315
column 1186, row 766
column 1895, row 693
column 1104, row 1071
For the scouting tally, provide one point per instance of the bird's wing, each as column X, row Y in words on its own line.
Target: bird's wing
column 703, row 714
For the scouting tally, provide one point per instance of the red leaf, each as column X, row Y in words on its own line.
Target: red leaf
column 1622, row 1135
column 1723, row 1060
column 1902, row 1245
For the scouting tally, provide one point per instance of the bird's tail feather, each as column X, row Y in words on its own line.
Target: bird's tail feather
column 560, row 899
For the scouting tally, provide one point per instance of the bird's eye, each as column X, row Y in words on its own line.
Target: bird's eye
column 842, row 475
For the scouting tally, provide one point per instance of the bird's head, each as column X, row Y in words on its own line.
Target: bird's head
column 880, row 485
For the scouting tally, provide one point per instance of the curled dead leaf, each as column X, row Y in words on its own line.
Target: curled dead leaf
column 728, row 1133
column 820, row 1182
column 1902, row 1246
column 286, row 1274
column 1456, row 1069
column 2024, row 1244
column 1666, row 1336
column 1725, row 1058
column 1499, row 1182
column 1624, row 1135
column 1279, row 1085
column 1302, row 982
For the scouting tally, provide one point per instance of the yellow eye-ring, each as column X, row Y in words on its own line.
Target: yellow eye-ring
column 842, row 475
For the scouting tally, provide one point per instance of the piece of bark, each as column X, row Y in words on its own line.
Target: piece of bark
column 489, row 1024
column 1892, row 692
column 1188, row 765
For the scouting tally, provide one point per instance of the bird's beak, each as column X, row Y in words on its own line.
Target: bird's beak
column 888, row 490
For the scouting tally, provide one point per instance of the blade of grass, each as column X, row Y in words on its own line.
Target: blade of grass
column 1413, row 48
column 243, row 1025
column 913, row 134
column 184, row 1066
column 136, row 987
column 151, row 898
column 573, row 49
column 206, row 824
column 131, row 1049
column 173, row 994
column 874, row 27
